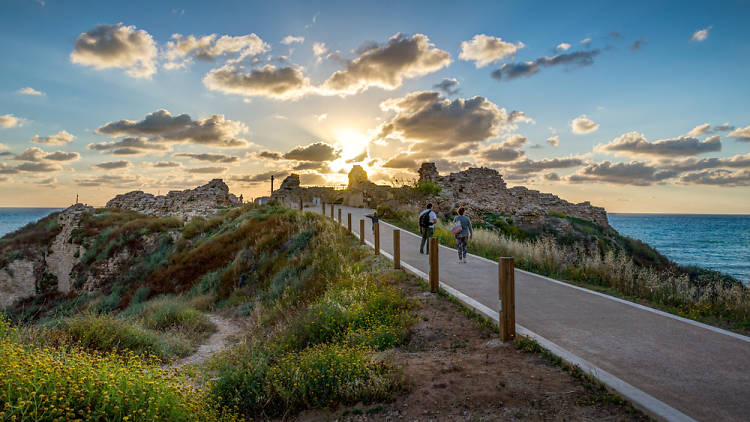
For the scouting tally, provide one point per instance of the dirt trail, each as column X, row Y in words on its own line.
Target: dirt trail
column 225, row 328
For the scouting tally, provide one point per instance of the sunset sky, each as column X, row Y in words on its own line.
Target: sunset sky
column 634, row 106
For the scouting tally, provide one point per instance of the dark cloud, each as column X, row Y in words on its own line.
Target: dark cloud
column 509, row 71
column 259, row 177
column 38, row 167
column 500, row 153
column 312, row 179
column 448, row 86
column 321, row 167
column 515, row 141
column 401, row 162
column 285, row 83
column 531, row 166
column 638, row 44
column 386, row 66
column 438, row 124
column 36, row 155
column 212, row 158
column 215, row 130
column 632, row 173
column 719, row 177
column 62, row 156
column 118, row 181
column 165, row 164
column 128, row 146
column 634, row 143
column 359, row 158
column 552, row 177
column 117, row 46
column 270, row 155
column 112, row 165
column 318, row 151
column 206, row 170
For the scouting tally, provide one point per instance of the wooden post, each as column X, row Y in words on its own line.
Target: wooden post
column 434, row 270
column 397, row 249
column 301, row 207
column 323, row 204
column 376, row 229
column 339, row 215
column 349, row 221
column 362, row 231
column 507, row 296
column 332, row 207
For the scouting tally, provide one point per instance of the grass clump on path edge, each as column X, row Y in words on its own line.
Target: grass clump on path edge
column 318, row 334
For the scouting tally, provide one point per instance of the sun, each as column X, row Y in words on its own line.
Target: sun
column 352, row 143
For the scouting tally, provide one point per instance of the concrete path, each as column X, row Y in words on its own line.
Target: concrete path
column 673, row 368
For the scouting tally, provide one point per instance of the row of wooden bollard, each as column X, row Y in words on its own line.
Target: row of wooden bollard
column 506, row 271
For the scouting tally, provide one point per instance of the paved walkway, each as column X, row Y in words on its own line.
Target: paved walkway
column 675, row 368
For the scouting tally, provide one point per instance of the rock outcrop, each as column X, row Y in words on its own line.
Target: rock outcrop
column 203, row 201
column 483, row 190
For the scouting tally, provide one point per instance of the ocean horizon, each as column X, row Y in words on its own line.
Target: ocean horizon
column 719, row 242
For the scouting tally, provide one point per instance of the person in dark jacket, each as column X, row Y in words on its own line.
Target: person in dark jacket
column 466, row 233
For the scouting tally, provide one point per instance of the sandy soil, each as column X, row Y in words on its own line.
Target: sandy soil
column 457, row 370
column 225, row 329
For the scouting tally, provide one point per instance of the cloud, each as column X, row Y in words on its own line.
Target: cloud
column 531, row 166
column 118, row 181
column 638, row 44
column 401, row 162
column 358, row 158
column 60, row 138
column 700, row 35
column 318, row 151
column 285, row 83
column 270, row 155
column 448, row 86
column 585, row 40
column 515, row 140
column 43, row 167
column 552, row 177
column 8, row 121
column 484, row 50
column 29, row 91
column 62, row 156
column 319, row 48
column 706, row 128
column 321, row 167
column 634, row 143
column 723, row 178
column 164, row 164
column 209, row 47
column 117, row 46
column 582, row 124
column 438, row 125
column 212, row 158
column 554, row 140
column 206, row 170
column 741, row 134
column 632, row 173
column 291, row 39
column 321, row 117
column 500, row 153
column 128, row 146
column 112, row 165
column 386, row 66
column 264, row 177
column 563, row 46
column 214, row 130
column 312, row 179
column 509, row 71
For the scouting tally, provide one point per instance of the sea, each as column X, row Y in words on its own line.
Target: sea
column 718, row 242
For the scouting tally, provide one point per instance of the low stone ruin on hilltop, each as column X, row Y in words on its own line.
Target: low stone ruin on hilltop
column 203, row 201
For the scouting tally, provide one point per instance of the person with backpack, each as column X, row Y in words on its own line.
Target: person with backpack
column 427, row 220
column 463, row 231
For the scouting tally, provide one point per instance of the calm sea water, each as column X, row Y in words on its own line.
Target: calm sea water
column 15, row 218
column 718, row 242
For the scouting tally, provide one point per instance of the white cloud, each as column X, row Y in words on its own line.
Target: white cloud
column 585, row 40
column 554, row 140
column 8, row 121
column 209, row 47
column 741, row 134
column 286, row 83
column 583, row 124
column 484, row 49
column 291, row 39
column 117, row 46
column 29, row 91
column 634, row 143
column 700, row 35
column 319, row 48
column 60, row 138
column 563, row 46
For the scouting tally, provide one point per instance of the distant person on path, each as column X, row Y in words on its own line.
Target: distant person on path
column 466, row 233
column 375, row 218
column 427, row 220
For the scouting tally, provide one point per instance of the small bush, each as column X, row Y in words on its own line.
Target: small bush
column 173, row 312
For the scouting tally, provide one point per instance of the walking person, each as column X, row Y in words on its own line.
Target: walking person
column 427, row 220
column 375, row 217
column 464, row 231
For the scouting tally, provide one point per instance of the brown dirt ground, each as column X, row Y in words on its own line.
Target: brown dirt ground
column 457, row 370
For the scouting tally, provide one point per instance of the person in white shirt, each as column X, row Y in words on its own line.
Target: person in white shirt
column 427, row 220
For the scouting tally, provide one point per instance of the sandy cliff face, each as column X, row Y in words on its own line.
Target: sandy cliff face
column 17, row 281
column 63, row 255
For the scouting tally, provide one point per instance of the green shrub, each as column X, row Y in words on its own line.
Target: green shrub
column 174, row 312
column 428, row 189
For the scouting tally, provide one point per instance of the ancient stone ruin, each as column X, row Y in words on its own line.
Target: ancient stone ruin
column 483, row 190
column 360, row 192
column 203, row 200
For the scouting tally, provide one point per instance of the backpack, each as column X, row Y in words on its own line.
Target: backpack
column 424, row 219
